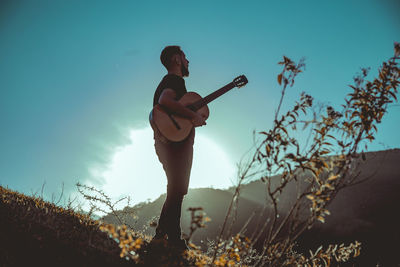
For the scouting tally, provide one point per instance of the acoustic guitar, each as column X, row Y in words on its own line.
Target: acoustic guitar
column 176, row 128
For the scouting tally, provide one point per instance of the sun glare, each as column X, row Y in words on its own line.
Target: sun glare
column 136, row 172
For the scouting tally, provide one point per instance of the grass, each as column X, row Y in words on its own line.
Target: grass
column 34, row 232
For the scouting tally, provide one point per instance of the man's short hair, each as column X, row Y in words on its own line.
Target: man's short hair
column 167, row 54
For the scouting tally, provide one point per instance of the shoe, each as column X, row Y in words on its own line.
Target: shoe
column 159, row 236
column 158, row 241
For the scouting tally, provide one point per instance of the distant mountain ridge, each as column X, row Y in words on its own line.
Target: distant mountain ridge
column 367, row 212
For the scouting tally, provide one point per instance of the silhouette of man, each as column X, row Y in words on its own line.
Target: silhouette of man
column 176, row 157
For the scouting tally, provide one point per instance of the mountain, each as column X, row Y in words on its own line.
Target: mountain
column 214, row 202
column 367, row 212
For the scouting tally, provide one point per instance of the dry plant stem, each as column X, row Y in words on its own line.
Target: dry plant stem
column 196, row 222
column 249, row 166
column 234, row 216
column 225, row 222
column 258, row 229
column 285, row 220
column 41, row 192
column 286, row 81
column 346, row 177
column 244, row 228
column 105, row 200
column 365, row 108
column 275, row 215
column 235, row 195
column 280, row 101
column 254, row 159
column 61, row 195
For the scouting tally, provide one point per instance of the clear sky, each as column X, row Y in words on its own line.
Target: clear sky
column 77, row 80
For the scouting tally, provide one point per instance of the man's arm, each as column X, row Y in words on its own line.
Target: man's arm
column 167, row 99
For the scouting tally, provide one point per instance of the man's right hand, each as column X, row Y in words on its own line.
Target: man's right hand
column 198, row 120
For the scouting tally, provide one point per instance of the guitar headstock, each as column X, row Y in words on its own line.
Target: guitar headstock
column 240, row 81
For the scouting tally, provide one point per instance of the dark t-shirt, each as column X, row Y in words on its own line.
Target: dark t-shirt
column 173, row 82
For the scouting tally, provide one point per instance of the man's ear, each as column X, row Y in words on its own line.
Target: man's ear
column 176, row 59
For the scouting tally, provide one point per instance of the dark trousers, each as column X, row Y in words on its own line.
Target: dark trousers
column 176, row 158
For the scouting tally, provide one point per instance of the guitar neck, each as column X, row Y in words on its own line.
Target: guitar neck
column 211, row 97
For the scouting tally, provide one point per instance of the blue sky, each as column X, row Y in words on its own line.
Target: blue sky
column 77, row 77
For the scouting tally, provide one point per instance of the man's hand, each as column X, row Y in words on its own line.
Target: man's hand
column 167, row 99
column 198, row 120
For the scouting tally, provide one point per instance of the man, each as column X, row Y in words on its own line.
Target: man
column 176, row 157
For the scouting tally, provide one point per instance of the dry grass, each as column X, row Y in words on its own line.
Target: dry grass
column 35, row 232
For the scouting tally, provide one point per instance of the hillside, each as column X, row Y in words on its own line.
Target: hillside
column 34, row 232
column 367, row 212
column 39, row 233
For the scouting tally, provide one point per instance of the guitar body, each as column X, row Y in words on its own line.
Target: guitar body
column 176, row 128
column 182, row 127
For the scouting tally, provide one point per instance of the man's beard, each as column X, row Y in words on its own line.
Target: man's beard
column 185, row 71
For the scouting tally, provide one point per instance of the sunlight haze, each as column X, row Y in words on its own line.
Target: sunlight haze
column 135, row 171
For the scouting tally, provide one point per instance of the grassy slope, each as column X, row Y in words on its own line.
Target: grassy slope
column 34, row 232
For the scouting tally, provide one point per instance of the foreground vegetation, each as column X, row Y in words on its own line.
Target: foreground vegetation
column 35, row 232
column 319, row 168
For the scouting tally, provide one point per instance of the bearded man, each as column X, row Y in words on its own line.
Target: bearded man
column 176, row 157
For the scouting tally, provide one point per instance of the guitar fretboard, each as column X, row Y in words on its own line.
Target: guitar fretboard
column 204, row 101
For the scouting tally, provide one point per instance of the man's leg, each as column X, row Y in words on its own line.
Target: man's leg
column 169, row 222
column 177, row 162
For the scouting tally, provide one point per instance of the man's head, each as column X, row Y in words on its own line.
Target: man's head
column 174, row 60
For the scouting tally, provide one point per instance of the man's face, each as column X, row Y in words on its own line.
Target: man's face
column 184, row 65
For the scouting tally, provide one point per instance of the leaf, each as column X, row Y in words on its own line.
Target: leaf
column 370, row 137
column 268, row 148
column 290, row 156
column 357, row 253
column 329, row 186
column 393, row 95
column 286, row 59
column 325, row 164
column 283, row 129
column 280, row 79
column 327, row 212
column 333, row 177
